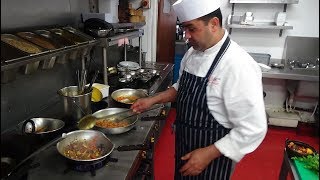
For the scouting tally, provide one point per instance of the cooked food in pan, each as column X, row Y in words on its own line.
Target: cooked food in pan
column 83, row 150
column 106, row 123
column 127, row 99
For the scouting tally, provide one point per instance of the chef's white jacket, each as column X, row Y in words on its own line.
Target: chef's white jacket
column 234, row 95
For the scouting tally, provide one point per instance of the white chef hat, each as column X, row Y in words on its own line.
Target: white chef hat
column 188, row 10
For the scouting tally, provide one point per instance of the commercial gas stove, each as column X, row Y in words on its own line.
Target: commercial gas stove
column 50, row 165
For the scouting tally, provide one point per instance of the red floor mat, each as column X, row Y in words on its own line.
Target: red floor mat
column 262, row 164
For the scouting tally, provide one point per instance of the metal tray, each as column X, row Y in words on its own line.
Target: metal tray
column 42, row 42
column 21, row 44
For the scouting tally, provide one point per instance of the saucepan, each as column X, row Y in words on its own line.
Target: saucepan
column 87, row 146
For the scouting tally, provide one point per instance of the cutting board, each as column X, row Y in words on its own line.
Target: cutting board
column 304, row 173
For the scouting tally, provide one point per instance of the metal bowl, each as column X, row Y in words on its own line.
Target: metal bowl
column 127, row 95
column 117, row 130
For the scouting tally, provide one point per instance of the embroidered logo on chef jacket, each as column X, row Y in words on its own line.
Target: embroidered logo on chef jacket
column 213, row 80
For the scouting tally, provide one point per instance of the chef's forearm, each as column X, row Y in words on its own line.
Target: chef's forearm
column 168, row 95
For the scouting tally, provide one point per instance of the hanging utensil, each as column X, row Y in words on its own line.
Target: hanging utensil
column 86, row 90
column 89, row 121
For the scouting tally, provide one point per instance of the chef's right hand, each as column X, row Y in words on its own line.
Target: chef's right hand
column 141, row 105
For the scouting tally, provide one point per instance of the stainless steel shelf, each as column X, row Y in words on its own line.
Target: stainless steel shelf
column 109, row 41
column 266, row 1
column 15, row 63
column 262, row 25
column 123, row 25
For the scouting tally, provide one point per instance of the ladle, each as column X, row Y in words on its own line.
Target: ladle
column 89, row 121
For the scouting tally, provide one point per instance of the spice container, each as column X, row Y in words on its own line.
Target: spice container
column 42, row 42
column 25, row 46
column 58, row 41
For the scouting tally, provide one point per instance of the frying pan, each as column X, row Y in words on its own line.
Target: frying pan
column 101, row 141
column 126, row 93
column 42, row 125
column 118, row 130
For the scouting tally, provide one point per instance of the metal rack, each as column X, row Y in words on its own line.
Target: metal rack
column 15, row 63
column 109, row 41
column 262, row 25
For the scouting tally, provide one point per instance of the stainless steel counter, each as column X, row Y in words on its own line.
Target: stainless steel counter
column 292, row 74
column 297, row 74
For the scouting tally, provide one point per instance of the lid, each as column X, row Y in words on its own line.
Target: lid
column 130, row 65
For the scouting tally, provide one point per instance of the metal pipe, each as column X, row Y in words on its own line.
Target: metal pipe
column 125, row 51
column 105, row 69
column 140, row 58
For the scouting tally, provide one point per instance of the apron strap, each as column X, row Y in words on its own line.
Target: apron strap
column 221, row 52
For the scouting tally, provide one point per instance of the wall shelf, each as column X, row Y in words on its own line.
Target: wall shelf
column 258, row 25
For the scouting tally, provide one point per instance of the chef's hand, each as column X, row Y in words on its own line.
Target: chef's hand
column 198, row 160
column 141, row 105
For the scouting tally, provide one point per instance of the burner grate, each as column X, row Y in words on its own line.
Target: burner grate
column 88, row 167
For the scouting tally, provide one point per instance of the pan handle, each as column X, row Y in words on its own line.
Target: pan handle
column 132, row 147
column 33, row 126
column 154, row 118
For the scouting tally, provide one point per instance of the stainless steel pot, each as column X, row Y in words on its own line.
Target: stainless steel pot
column 75, row 106
column 118, row 130
column 125, row 95
column 42, row 125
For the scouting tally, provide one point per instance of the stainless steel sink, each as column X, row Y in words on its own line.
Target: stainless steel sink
column 304, row 71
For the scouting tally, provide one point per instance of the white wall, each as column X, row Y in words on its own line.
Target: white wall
column 304, row 17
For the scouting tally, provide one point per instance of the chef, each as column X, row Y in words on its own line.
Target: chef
column 219, row 95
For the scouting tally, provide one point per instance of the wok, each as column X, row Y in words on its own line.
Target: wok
column 128, row 96
column 92, row 136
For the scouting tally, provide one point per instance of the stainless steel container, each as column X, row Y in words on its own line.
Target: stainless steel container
column 75, row 106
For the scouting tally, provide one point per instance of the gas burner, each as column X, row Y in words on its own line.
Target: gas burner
column 88, row 166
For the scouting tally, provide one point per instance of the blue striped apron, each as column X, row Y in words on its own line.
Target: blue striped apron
column 196, row 127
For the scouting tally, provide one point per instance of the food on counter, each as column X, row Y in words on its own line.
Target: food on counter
column 107, row 123
column 20, row 44
column 36, row 39
column 127, row 99
column 83, row 150
column 300, row 149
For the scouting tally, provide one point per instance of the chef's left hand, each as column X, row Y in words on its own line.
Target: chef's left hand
column 198, row 160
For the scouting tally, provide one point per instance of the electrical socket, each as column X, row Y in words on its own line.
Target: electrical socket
column 146, row 4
